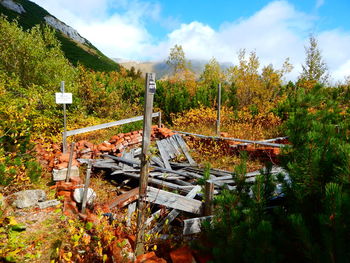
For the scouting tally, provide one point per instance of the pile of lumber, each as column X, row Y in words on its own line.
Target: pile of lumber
column 172, row 184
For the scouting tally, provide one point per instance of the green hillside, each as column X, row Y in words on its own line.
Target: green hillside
column 86, row 54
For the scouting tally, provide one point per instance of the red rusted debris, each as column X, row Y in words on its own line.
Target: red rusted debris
column 149, row 258
column 182, row 255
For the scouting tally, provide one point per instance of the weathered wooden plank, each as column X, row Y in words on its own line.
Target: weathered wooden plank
column 164, row 155
column 128, row 156
column 168, row 149
column 131, row 210
column 157, row 161
column 208, row 198
column 175, row 145
column 193, row 225
column 162, row 183
column 175, row 212
column 184, row 148
column 232, row 139
column 124, row 199
column 107, row 125
column 172, row 200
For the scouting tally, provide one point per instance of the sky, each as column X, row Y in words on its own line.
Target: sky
column 146, row 30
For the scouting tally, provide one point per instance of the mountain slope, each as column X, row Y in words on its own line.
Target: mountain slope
column 162, row 70
column 76, row 48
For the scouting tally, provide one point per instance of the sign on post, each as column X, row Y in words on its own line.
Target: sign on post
column 64, row 98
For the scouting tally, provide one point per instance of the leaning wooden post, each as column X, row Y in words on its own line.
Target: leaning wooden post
column 208, row 198
column 86, row 188
column 160, row 120
column 219, row 109
column 150, row 89
column 70, row 161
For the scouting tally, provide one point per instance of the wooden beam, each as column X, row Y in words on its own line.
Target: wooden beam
column 172, row 200
column 184, row 148
column 174, row 213
column 208, row 198
column 107, row 125
column 123, row 200
column 163, row 154
column 86, row 188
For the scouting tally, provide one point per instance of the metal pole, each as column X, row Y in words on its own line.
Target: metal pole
column 145, row 156
column 64, row 143
column 86, row 188
column 219, row 109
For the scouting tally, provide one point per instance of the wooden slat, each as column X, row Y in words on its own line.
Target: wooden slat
column 174, row 213
column 162, row 183
column 164, row 155
column 175, row 145
column 108, row 125
column 168, row 149
column 172, row 200
column 193, row 225
column 184, row 148
column 124, row 199
column 157, row 161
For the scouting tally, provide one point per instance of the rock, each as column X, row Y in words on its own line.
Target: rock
column 60, row 175
column 28, row 198
column 65, row 29
column 49, row 203
column 78, row 195
column 10, row 4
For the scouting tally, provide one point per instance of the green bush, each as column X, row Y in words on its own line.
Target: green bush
column 310, row 221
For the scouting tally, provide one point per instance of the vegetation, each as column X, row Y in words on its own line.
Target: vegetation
column 302, row 216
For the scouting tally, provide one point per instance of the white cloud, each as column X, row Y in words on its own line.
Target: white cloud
column 275, row 32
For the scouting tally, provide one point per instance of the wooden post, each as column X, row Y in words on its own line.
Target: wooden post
column 145, row 156
column 70, row 161
column 219, row 108
column 86, row 188
column 209, row 195
column 160, row 120
column 64, row 141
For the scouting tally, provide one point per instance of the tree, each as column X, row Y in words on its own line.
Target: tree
column 176, row 59
column 34, row 56
column 315, row 69
column 212, row 74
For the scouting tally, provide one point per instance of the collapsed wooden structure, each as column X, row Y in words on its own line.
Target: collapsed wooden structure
column 172, row 183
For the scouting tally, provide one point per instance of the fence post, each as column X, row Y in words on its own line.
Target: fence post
column 70, row 161
column 209, row 195
column 146, row 138
column 86, row 188
column 218, row 119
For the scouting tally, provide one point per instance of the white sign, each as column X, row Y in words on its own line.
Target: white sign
column 152, row 87
column 64, row 98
